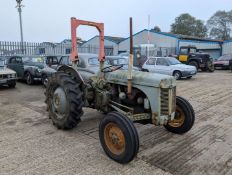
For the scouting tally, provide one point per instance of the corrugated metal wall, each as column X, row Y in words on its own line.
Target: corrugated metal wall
column 162, row 40
column 156, row 39
column 94, row 42
column 200, row 44
column 212, row 48
column 214, row 53
column 227, row 47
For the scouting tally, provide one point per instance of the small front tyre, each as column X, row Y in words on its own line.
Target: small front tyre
column 45, row 80
column 210, row 66
column 184, row 117
column 118, row 137
column 29, row 79
column 12, row 84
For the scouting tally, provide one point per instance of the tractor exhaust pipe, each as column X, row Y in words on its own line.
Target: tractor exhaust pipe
column 131, row 60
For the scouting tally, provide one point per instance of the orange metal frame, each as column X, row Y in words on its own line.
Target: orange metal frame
column 100, row 27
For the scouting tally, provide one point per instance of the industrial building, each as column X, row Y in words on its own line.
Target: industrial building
column 163, row 43
column 111, row 44
column 172, row 42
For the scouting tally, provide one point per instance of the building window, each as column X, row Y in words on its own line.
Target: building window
column 41, row 51
column 67, row 51
column 184, row 51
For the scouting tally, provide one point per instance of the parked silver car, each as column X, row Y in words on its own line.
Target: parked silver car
column 169, row 66
column 119, row 60
column 7, row 76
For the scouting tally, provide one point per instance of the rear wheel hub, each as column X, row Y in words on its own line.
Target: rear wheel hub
column 60, row 103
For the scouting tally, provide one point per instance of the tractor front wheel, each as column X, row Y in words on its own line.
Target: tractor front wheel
column 118, row 137
column 64, row 100
column 44, row 80
column 12, row 84
column 210, row 66
column 184, row 117
column 29, row 78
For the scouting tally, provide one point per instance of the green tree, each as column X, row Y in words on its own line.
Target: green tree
column 186, row 24
column 157, row 29
column 220, row 25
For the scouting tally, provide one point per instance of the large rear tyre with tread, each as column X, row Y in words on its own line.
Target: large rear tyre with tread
column 184, row 117
column 118, row 137
column 194, row 63
column 64, row 100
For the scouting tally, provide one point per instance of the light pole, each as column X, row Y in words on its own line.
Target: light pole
column 19, row 6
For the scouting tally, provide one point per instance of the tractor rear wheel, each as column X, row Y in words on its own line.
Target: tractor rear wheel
column 64, row 100
column 194, row 63
column 184, row 117
column 118, row 137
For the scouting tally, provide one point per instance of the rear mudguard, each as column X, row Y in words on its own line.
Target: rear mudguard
column 72, row 71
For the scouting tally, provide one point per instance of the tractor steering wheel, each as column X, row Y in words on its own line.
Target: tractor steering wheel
column 111, row 68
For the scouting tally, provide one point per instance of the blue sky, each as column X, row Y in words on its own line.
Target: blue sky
column 49, row 20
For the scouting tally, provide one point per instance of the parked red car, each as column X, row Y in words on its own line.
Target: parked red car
column 223, row 62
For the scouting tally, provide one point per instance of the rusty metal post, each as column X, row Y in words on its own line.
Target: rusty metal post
column 130, row 64
column 102, row 46
column 74, row 53
column 75, row 23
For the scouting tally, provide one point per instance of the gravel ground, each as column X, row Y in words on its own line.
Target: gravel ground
column 30, row 144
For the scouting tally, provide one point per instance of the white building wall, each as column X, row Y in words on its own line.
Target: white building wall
column 157, row 39
column 200, row 44
column 161, row 40
column 227, row 47
column 94, row 42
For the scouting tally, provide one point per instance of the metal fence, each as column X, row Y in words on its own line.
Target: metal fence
column 45, row 48
column 49, row 48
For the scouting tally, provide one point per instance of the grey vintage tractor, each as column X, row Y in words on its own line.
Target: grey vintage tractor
column 125, row 96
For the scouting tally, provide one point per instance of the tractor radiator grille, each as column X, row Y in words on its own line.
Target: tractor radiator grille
column 167, row 101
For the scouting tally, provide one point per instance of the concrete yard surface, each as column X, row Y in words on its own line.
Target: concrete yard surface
column 30, row 144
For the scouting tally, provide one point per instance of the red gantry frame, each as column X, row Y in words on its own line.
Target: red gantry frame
column 75, row 23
